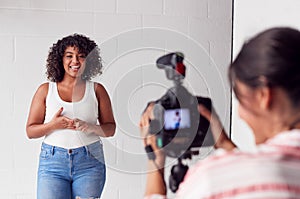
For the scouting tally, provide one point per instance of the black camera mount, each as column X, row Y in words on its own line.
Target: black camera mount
column 190, row 131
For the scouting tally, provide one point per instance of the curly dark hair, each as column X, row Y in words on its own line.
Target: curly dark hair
column 93, row 62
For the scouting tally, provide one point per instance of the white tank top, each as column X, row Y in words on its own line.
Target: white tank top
column 86, row 109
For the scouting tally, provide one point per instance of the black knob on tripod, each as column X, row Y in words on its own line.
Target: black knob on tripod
column 178, row 172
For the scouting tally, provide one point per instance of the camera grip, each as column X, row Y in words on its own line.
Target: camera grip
column 150, row 152
column 206, row 134
column 205, row 101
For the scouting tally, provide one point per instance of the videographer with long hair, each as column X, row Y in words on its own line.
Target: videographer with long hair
column 264, row 76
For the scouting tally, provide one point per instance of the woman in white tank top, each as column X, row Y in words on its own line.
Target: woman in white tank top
column 71, row 113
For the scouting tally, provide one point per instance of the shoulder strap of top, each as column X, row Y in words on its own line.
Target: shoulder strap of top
column 92, row 90
column 50, row 90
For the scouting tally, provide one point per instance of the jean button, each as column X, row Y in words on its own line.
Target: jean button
column 70, row 151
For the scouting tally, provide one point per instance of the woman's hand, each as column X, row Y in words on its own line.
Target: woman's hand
column 155, row 178
column 61, row 122
column 83, row 126
column 144, row 124
column 150, row 139
column 35, row 126
column 219, row 134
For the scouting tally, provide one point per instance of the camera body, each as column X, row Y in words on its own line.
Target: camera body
column 178, row 126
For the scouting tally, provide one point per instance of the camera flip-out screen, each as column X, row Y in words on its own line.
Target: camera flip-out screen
column 177, row 119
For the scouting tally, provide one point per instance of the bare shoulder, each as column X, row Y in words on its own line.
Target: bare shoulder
column 42, row 90
column 99, row 88
column 101, row 94
column 43, row 87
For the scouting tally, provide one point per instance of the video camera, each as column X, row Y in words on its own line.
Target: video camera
column 178, row 126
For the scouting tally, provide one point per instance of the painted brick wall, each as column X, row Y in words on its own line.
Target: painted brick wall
column 131, row 34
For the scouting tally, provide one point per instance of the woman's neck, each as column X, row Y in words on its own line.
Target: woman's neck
column 295, row 124
column 72, row 81
column 285, row 114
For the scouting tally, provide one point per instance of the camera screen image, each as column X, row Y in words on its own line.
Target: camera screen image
column 177, row 119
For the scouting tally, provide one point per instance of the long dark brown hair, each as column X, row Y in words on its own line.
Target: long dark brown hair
column 271, row 58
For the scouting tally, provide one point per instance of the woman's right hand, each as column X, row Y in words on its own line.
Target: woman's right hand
column 61, row 122
column 149, row 139
column 155, row 183
column 219, row 134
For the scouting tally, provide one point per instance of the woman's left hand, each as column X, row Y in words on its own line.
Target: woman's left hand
column 83, row 126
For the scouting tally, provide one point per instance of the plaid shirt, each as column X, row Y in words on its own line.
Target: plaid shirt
column 272, row 171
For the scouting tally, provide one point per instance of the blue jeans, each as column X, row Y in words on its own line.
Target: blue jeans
column 73, row 173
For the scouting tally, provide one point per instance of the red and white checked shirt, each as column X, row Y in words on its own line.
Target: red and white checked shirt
column 272, row 171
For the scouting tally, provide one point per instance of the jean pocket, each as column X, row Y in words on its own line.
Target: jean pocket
column 97, row 153
column 45, row 154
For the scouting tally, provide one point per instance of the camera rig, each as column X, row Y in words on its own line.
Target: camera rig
column 178, row 126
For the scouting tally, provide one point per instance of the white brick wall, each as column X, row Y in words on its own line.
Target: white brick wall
column 132, row 34
column 251, row 17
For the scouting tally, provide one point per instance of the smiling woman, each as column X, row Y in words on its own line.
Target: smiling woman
column 71, row 113
column 87, row 50
column 73, row 61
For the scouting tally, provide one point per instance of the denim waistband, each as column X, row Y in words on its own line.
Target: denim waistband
column 83, row 149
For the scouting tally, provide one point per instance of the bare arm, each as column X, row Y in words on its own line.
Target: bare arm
column 219, row 134
column 106, row 119
column 35, row 126
column 155, row 183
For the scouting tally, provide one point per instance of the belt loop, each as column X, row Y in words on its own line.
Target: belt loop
column 52, row 150
column 87, row 150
